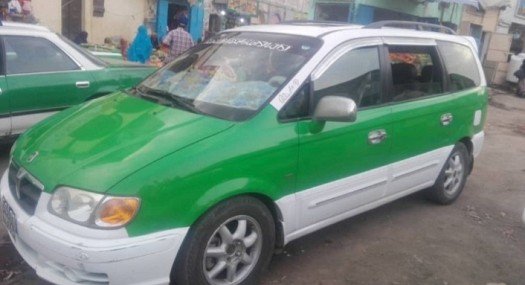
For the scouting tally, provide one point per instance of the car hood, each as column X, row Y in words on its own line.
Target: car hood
column 95, row 145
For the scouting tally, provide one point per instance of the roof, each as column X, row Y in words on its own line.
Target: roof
column 336, row 31
column 312, row 29
column 17, row 25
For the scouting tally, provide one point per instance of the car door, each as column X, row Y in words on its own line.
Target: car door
column 422, row 114
column 5, row 108
column 42, row 79
column 342, row 166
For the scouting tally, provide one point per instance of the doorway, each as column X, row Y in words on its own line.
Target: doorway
column 175, row 11
column 71, row 18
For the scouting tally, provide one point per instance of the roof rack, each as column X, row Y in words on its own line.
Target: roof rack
column 315, row 22
column 411, row 25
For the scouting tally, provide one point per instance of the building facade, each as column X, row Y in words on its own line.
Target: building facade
column 115, row 19
column 368, row 11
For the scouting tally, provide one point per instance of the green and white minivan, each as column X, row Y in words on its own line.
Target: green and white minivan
column 252, row 139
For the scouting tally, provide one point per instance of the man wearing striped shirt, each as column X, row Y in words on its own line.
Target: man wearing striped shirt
column 178, row 40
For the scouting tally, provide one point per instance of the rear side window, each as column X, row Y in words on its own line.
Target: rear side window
column 461, row 66
column 416, row 72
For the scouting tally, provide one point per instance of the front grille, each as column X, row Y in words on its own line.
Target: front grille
column 24, row 188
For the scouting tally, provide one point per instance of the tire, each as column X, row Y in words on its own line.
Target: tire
column 231, row 244
column 452, row 178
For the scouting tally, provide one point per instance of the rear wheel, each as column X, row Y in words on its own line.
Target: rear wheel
column 451, row 180
column 230, row 244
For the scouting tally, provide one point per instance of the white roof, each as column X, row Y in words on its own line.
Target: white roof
column 17, row 25
column 337, row 32
column 301, row 29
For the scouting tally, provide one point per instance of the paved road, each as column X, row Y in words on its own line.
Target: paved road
column 478, row 240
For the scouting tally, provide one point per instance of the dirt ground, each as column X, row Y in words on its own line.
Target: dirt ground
column 480, row 239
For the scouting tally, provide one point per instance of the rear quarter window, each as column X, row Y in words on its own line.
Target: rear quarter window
column 461, row 65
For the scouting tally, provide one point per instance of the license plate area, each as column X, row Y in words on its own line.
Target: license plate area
column 9, row 219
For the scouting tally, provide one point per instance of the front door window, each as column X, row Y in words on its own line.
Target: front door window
column 35, row 55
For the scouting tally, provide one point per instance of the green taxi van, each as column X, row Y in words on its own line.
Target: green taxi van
column 42, row 72
column 253, row 138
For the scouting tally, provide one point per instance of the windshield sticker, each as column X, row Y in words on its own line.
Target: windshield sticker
column 251, row 43
column 288, row 91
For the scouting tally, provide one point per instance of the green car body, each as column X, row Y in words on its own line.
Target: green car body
column 45, row 73
column 307, row 166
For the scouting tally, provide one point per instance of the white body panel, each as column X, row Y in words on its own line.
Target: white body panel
column 477, row 142
column 5, row 126
column 21, row 123
column 64, row 253
column 312, row 209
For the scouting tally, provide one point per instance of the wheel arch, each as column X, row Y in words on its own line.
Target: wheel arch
column 267, row 201
column 467, row 141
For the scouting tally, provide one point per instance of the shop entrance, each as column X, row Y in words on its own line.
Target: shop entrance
column 71, row 18
column 175, row 10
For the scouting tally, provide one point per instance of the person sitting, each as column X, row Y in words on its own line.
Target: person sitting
column 81, row 38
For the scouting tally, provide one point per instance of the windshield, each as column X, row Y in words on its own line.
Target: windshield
column 230, row 76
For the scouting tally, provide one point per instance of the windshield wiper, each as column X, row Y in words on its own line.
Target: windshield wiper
column 170, row 99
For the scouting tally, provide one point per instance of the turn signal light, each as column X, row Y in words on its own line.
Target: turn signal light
column 117, row 211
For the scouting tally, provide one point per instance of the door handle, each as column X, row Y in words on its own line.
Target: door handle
column 1, row 91
column 446, row 119
column 376, row 137
column 82, row 84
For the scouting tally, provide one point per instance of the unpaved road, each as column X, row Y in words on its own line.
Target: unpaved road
column 478, row 240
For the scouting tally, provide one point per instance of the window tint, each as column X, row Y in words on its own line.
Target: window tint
column 31, row 54
column 461, row 65
column 354, row 75
column 416, row 72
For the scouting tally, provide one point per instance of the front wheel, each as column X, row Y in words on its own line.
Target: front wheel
column 452, row 178
column 230, row 244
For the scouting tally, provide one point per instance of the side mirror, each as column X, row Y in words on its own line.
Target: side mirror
column 335, row 108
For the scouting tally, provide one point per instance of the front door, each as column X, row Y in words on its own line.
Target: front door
column 5, row 109
column 42, row 79
column 343, row 165
column 5, row 105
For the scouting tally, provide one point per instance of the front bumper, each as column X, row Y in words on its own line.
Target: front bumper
column 65, row 253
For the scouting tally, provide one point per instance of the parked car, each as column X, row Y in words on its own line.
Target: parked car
column 43, row 72
column 254, row 138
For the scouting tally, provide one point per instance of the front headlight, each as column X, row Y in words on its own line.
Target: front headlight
column 92, row 209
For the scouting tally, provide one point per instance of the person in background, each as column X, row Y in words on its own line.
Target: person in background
column 4, row 13
column 178, row 40
column 124, row 45
column 27, row 9
column 520, row 74
column 14, row 7
column 154, row 40
column 81, row 38
column 141, row 48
